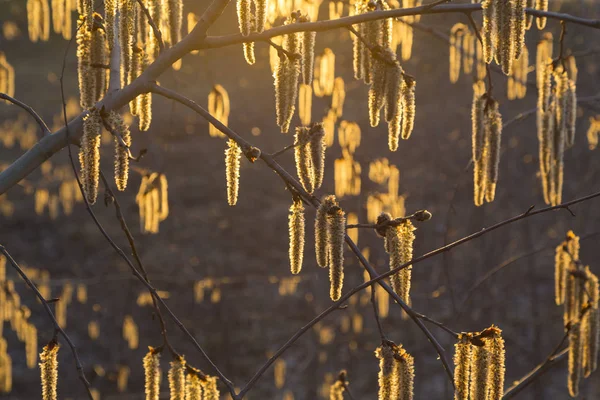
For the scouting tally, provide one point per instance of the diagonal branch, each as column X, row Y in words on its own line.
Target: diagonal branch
column 38, row 119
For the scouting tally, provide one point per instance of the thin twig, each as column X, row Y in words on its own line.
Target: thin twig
column 57, row 327
column 31, row 111
column 157, row 33
column 376, row 314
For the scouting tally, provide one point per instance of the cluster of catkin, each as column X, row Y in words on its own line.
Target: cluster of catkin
column 218, row 107
column 49, row 370
column 466, row 53
column 38, row 20
column 398, row 242
column 92, row 60
column 479, row 365
column 396, row 372
column 7, row 76
column 576, row 287
column 309, row 154
column 503, row 31
column 556, row 116
column 185, row 382
column 330, row 233
column 252, row 17
column 486, row 138
column 296, row 62
column 593, row 132
column 153, row 201
column 61, row 17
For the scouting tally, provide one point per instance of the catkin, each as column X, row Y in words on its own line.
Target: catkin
column 561, row 263
column 115, row 120
column 177, row 379
column 244, row 14
column 249, row 53
column 302, row 155
column 126, row 29
column 305, row 104
column 218, row 107
column 401, row 251
column 541, row 5
column 296, row 228
column 261, row 14
column 519, row 27
column 85, row 76
column 462, row 367
column 336, row 232
column 175, row 16
column 489, row 31
column 493, row 133
column 408, row 105
column 336, row 391
column 232, row 166
column 193, row 385
column 495, row 374
column 286, row 79
column 317, row 154
column 456, row 39
column 49, row 371
column 388, row 374
column 321, row 236
column 591, row 325
column 209, row 388
column 570, row 113
column 145, row 100
column 377, row 91
column 338, row 96
column 308, row 57
column 99, row 62
column 478, row 141
column 479, row 367
column 110, row 13
column 575, row 358
column 505, row 53
column 89, row 154
column 152, row 374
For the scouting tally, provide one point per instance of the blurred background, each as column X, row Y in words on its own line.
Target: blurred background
column 225, row 270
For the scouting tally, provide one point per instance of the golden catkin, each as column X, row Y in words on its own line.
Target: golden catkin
column 116, row 121
column 388, row 378
column 302, row 156
column 593, row 132
column 336, row 391
column 110, row 14
column 505, row 53
column 145, row 100
column 193, row 385
column 408, row 106
column 249, row 53
column 393, row 103
column 261, row 7
column 305, row 104
column 561, row 263
column 573, row 290
column 489, row 31
column 177, row 379
column 336, row 232
column 321, row 236
column 84, row 70
column 479, row 369
column 570, row 113
column 308, row 57
column 152, row 374
column 58, row 15
column 493, row 134
column 575, row 358
column 405, row 364
column 296, row 228
column 99, row 61
column 377, row 91
column 89, row 154
column 338, row 96
column 218, row 107
column 126, row 29
column 210, row 389
column 175, row 16
column 462, row 367
column 478, row 142
column 456, row 39
column 317, row 154
column 49, row 371
column 497, row 369
column 519, row 26
column 286, row 79
column 232, row 167
column 591, row 325
column 541, row 5
column 244, row 15
column 400, row 241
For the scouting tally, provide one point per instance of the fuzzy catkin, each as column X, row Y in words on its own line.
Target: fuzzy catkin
column 506, row 36
column 408, row 106
column 249, row 53
column 175, row 16
column 456, row 37
column 336, row 232
column 541, row 5
column 519, row 27
column 49, row 371
column 406, row 372
column 305, row 104
column 99, row 62
column 393, row 105
column 85, row 76
column 303, row 158
column 261, row 14
column 570, row 113
column 317, row 154
column 575, row 358
column 493, row 133
column 177, row 379
column 115, row 120
column 496, row 371
column 479, row 367
column 244, row 15
column 336, row 391
column 210, row 389
column 145, row 101
column 478, row 141
column 193, row 386
column 376, row 92
column 321, row 236
column 308, row 57
column 232, row 167
column 152, row 374
column 110, row 13
column 388, row 377
column 489, row 30
column 296, row 228
column 462, row 367
column 126, row 29
column 89, row 154
column 561, row 263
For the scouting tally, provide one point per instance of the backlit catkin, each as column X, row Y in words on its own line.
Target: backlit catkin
column 305, row 104
column 152, row 374
column 115, row 120
column 408, row 106
column 456, row 38
column 519, row 27
column 497, row 369
column 249, row 53
column 296, row 228
column 399, row 240
column 177, row 379
column 126, row 29
column 591, row 325
column 232, row 169
column 218, row 107
column 261, row 14
column 570, row 113
column 336, row 232
column 244, row 14
column 110, row 14
column 308, row 57
column 89, row 154
column 302, row 157
column 175, row 16
column 478, row 142
column 489, row 32
column 84, row 71
column 493, row 133
column 193, row 385
column 286, row 79
column 49, row 370
column 480, row 364
column 388, row 374
column 210, row 389
column 145, row 100
column 317, row 154
column 99, row 61
column 575, row 358
column 321, row 236
column 562, row 259
column 541, row 5
column 462, row 367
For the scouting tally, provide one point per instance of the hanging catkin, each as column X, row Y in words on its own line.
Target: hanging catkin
column 110, row 13
column 562, row 260
column 388, row 374
column 49, row 370
column 249, row 53
column 462, row 367
column 209, row 389
column 399, row 243
column 152, row 374
column 308, row 56
column 244, row 14
column 408, row 105
column 145, row 100
column 570, row 113
column 126, row 29
column 218, row 107
column 286, row 79
column 89, row 154
column 495, row 375
column 193, row 385
column 321, row 236
column 493, row 132
column 177, row 379
column 376, row 91
column 541, row 5
column 261, row 14
column 478, row 141
column 489, row 31
column 302, row 155
column 232, row 166
column 505, row 52
column 480, row 364
column 296, row 228
column 336, row 233
column 84, row 71
column 520, row 25
column 575, row 358
column 115, row 120
column 99, row 60
column 591, row 325
column 456, row 39
column 305, row 104
column 317, row 154
column 175, row 15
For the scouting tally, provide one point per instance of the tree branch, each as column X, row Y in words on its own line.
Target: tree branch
column 31, row 111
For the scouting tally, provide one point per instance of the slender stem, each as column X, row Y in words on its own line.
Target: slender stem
column 376, row 314
column 157, row 33
column 31, row 111
column 57, row 327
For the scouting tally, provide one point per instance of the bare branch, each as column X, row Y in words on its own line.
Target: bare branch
column 31, row 111
column 157, row 33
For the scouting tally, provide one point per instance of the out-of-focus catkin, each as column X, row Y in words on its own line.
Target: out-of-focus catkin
column 89, row 154
column 541, row 5
column 49, row 370
column 296, row 228
column 336, row 232
column 152, row 374
column 177, row 379
column 232, row 166
column 218, row 107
